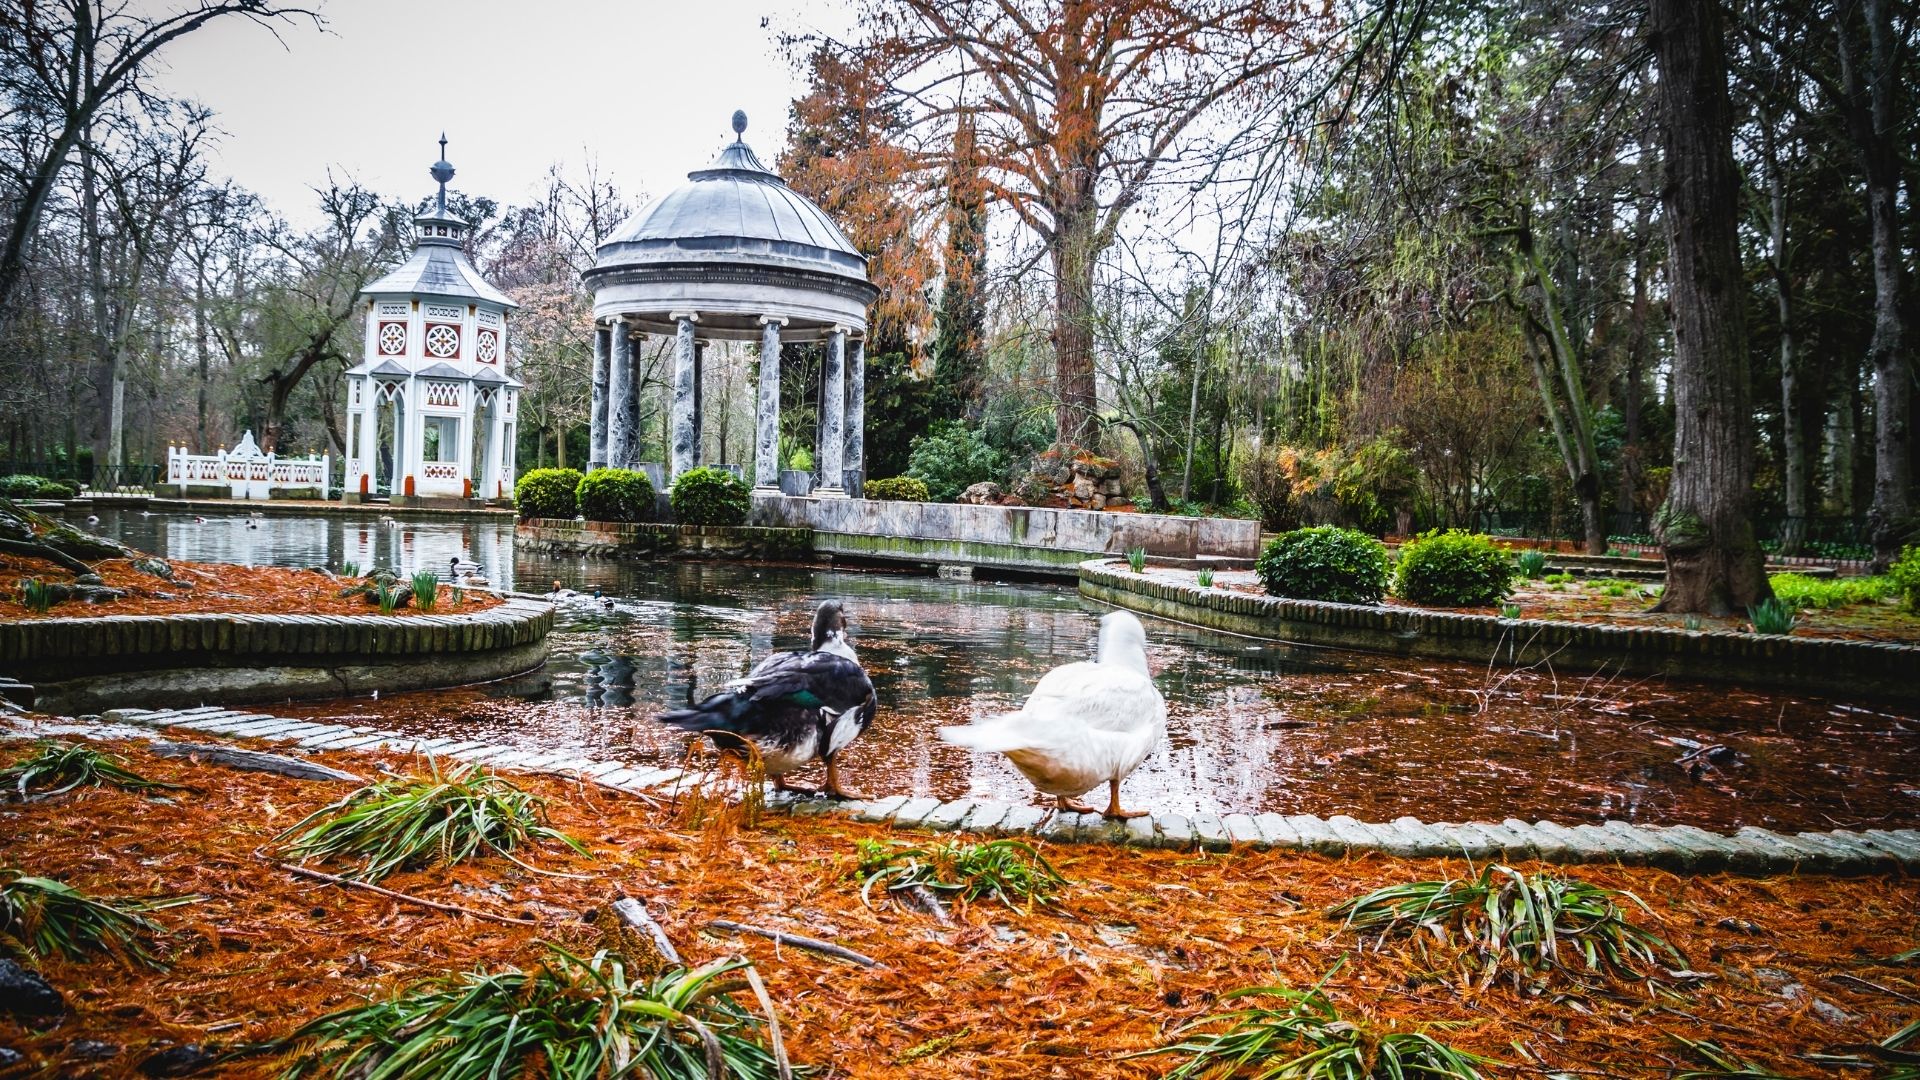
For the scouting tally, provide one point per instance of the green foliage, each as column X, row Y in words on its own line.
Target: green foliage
column 1690, row 622
column 1801, row 591
column 1204, row 578
column 1509, row 611
column 794, row 455
column 408, row 823
column 569, row 1019
column 1306, row 1037
column 1533, row 925
column 1558, row 579
column 615, row 495
column 1905, row 573
column 41, row 917
column 899, row 406
column 1901, row 1063
column 61, row 767
column 1137, row 559
column 1325, row 563
column 1531, row 563
column 1010, row 871
column 25, row 486
column 1723, row 1064
column 547, row 493
column 952, row 457
column 388, row 598
column 37, row 596
column 426, row 589
column 1453, row 569
column 707, row 496
column 898, row 488
column 349, row 569
column 1771, row 616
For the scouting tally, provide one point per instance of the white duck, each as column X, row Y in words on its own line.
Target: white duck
column 1085, row 723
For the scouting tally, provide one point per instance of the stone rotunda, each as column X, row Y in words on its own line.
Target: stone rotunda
column 732, row 255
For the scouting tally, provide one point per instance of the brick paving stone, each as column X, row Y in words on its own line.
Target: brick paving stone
column 296, row 732
column 1020, row 820
column 617, row 777
column 1174, row 829
column 948, row 815
column 1315, row 835
column 337, row 733
column 1430, row 839
column 881, row 809
column 984, row 816
column 1847, row 858
column 1862, row 840
column 254, row 729
column 1242, row 830
column 454, row 749
column 1068, row 827
column 1549, row 847
column 1659, row 852
column 1710, row 852
column 222, row 719
column 602, row 768
column 1275, row 831
column 1586, row 847
column 911, row 811
column 1903, row 842
column 1414, row 841
column 1788, row 855
column 642, row 777
column 1141, row 832
column 1353, row 833
column 1211, row 832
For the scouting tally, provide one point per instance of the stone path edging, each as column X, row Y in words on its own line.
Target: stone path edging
column 1827, row 665
column 1681, row 848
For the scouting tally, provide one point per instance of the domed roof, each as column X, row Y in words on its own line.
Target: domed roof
column 737, row 206
column 732, row 241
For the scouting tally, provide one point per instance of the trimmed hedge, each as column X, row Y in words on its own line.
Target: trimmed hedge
column 898, row 488
column 706, row 496
column 1454, row 569
column 24, row 486
column 624, row 495
column 548, row 493
column 1325, row 562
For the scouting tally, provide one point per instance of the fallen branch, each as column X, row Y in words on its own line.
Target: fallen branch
column 825, row 948
column 634, row 913
column 334, row 879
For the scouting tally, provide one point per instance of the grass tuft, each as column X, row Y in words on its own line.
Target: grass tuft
column 387, row 597
column 1532, row 563
column 1010, row 871
column 1204, row 577
column 426, row 589
column 1771, row 616
column 1306, row 1037
column 1137, row 559
column 349, row 569
column 414, row 822
column 36, row 595
column 568, row 1019
column 41, row 917
column 62, row 767
column 1531, row 925
column 1722, row 1064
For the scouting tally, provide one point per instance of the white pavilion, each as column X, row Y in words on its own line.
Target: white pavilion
column 434, row 376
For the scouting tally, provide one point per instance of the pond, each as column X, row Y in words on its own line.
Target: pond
column 1252, row 726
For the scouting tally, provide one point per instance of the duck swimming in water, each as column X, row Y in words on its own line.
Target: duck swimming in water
column 794, row 707
column 1085, row 724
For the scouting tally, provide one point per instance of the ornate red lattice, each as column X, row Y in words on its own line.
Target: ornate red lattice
column 443, row 342
column 393, row 338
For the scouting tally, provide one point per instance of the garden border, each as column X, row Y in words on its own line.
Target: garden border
column 96, row 662
column 1826, row 665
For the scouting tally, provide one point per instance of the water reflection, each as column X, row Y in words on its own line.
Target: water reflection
column 1252, row 726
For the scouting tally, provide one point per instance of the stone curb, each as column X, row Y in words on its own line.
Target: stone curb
column 1679, row 848
column 1832, row 665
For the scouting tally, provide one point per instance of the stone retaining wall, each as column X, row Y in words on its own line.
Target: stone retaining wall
column 1827, row 665
column 611, row 539
column 1682, row 848
column 87, row 664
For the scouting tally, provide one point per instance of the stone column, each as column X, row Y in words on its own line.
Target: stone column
column 499, row 481
column 620, row 397
column 857, row 419
column 369, row 434
column 681, row 452
column 833, row 388
column 699, row 403
column 766, row 432
column 597, row 444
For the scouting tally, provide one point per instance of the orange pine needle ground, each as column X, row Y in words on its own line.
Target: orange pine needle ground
column 208, row 588
column 1144, row 941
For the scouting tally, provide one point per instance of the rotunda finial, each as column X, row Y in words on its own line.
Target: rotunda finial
column 442, row 172
column 739, row 123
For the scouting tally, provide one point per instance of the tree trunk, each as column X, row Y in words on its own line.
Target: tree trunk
column 1705, row 529
column 202, row 355
column 1073, row 259
column 1840, row 445
column 1871, row 115
column 1793, row 448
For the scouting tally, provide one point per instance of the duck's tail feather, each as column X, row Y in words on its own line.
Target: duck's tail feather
column 998, row 735
column 721, row 712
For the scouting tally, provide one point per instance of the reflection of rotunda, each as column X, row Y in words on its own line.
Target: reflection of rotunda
column 434, row 377
column 734, row 254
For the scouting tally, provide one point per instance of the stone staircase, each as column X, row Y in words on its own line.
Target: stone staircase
column 1681, row 848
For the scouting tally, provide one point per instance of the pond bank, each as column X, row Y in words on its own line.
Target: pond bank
column 1825, row 665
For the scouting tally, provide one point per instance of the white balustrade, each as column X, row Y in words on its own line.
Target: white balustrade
column 248, row 473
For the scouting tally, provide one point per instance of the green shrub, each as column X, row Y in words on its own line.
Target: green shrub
column 1801, row 591
column 37, row 596
column 1325, row 563
column 1204, row 578
column 707, row 496
column 1905, row 573
column 1771, row 616
column 899, row 489
column 1453, row 569
column 21, row 486
column 615, row 495
column 951, row 458
column 547, row 493
column 426, row 589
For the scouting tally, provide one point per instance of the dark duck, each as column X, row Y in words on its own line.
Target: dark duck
column 794, row 707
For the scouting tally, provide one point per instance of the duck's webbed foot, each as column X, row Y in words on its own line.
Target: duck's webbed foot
column 835, row 790
column 1074, row 805
column 1113, row 804
column 780, row 784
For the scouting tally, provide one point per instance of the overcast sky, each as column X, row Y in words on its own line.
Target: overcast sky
column 646, row 87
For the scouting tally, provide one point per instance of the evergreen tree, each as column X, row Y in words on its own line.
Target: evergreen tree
column 959, row 346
